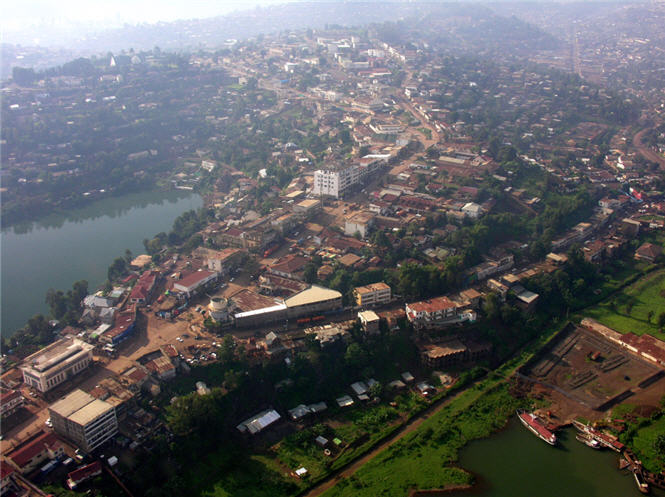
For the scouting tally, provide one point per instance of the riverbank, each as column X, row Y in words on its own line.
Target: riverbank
column 61, row 249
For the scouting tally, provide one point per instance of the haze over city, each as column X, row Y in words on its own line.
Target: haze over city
column 332, row 249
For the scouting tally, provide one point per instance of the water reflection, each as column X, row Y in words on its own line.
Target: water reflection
column 112, row 207
column 80, row 244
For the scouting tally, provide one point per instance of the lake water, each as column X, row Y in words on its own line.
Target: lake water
column 514, row 463
column 61, row 249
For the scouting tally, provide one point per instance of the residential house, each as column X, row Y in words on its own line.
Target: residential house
column 369, row 321
column 360, row 222
column 30, row 454
column 648, row 252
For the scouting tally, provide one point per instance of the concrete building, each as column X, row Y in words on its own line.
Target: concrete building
column 387, row 127
column 223, row 261
column 143, row 289
column 194, row 281
column 10, row 402
column 87, row 421
column 315, row 300
column 56, row 363
column 123, row 327
column 370, row 322
column 27, row 456
column 374, row 294
column 333, row 181
column 307, row 207
column 437, row 312
column 360, row 222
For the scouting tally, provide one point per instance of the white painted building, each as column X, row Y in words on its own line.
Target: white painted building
column 335, row 181
column 56, row 363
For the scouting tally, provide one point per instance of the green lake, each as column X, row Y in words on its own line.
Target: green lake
column 58, row 250
column 514, row 463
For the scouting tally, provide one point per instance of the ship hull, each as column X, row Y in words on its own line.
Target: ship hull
column 534, row 426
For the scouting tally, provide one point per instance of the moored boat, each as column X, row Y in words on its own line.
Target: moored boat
column 642, row 485
column 536, row 426
column 588, row 440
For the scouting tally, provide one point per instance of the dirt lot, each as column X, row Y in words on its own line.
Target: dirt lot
column 588, row 374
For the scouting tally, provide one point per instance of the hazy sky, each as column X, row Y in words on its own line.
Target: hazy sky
column 22, row 15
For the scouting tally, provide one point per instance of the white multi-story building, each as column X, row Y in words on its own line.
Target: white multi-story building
column 334, row 181
column 87, row 421
column 56, row 363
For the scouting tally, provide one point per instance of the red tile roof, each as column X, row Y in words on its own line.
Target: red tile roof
column 289, row 265
column 433, row 305
column 85, row 472
column 193, row 278
column 8, row 395
column 5, row 471
column 24, row 453
column 144, row 285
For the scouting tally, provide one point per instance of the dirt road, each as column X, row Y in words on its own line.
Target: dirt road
column 410, row 427
column 646, row 151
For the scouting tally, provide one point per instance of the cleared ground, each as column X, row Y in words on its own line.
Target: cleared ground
column 628, row 310
column 585, row 367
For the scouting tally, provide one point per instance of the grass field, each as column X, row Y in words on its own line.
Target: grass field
column 425, row 458
column 628, row 310
column 643, row 444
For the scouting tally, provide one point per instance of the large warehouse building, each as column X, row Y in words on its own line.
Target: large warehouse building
column 316, row 299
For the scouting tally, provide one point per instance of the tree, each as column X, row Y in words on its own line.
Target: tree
column 659, row 445
column 376, row 390
column 629, row 307
column 355, row 356
column 649, row 316
column 227, row 349
column 310, row 273
column 661, row 320
column 117, row 269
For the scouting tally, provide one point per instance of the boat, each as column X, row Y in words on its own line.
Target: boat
column 642, row 485
column 536, row 426
column 603, row 439
column 588, row 440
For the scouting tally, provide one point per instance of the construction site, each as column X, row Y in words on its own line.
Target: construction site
column 584, row 366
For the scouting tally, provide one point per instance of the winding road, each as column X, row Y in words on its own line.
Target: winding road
column 648, row 153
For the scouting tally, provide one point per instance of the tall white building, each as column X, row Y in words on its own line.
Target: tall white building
column 87, row 421
column 334, row 181
column 56, row 363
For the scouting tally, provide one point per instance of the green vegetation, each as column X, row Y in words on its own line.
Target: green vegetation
column 38, row 332
column 424, row 459
column 647, row 445
column 629, row 309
